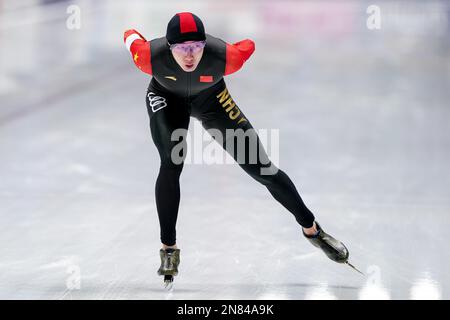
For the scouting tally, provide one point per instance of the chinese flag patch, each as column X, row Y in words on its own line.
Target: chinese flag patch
column 206, row 79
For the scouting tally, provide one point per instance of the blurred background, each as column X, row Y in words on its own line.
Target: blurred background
column 358, row 90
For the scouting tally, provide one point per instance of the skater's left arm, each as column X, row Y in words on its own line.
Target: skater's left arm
column 237, row 53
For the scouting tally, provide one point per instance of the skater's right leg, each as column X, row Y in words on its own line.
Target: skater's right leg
column 167, row 113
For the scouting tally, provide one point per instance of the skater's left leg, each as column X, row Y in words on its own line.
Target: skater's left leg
column 221, row 113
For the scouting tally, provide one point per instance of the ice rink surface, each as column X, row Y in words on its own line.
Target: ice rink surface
column 363, row 118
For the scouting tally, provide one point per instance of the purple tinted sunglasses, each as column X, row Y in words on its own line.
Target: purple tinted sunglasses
column 185, row 48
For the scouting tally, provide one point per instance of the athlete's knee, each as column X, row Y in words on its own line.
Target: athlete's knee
column 266, row 175
column 172, row 157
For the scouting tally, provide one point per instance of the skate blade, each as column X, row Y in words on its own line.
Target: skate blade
column 353, row 267
column 168, row 285
column 168, row 282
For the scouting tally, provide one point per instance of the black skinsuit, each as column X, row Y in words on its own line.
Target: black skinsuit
column 174, row 96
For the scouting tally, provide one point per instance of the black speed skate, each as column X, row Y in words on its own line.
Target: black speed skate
column 170, row 259
column 333, row 248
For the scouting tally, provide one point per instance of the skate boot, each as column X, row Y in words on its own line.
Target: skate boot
column 170, row 259
column 333, row 248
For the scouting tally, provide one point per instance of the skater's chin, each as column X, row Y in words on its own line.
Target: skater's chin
column 189, row 67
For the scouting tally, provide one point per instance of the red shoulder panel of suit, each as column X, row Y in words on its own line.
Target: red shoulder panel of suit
column 140, row 51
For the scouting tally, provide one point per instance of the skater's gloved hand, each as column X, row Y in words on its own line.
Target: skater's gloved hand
column 130, row 32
